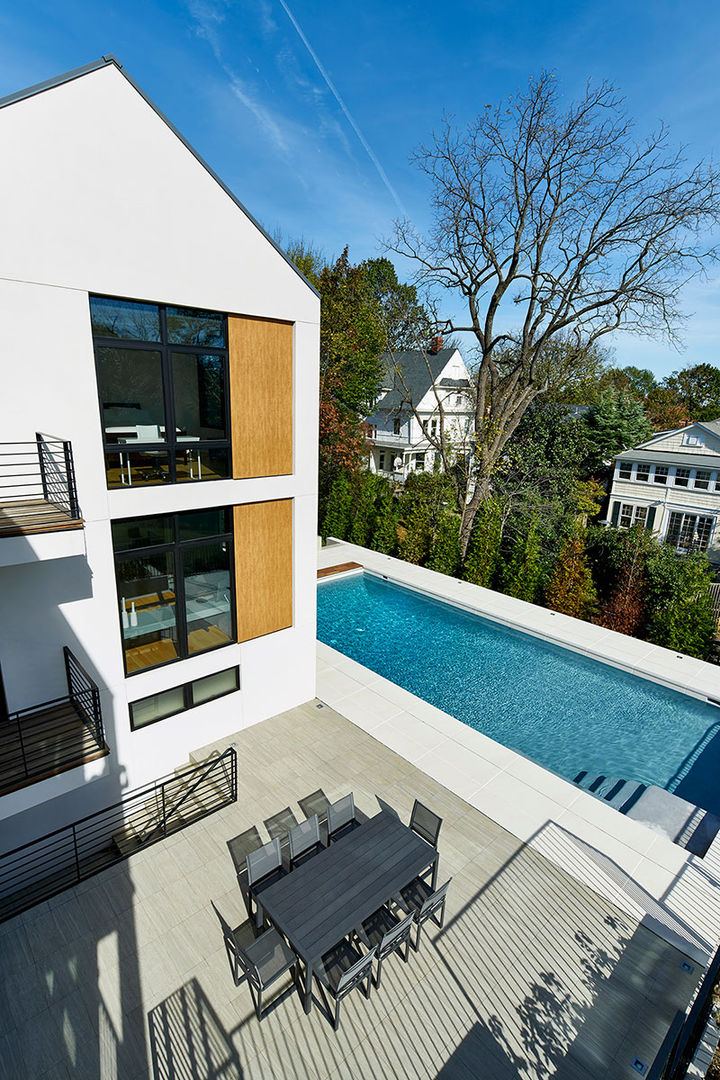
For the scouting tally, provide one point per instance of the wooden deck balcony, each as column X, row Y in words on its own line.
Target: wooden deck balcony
column 46, row 739
column 37, row 487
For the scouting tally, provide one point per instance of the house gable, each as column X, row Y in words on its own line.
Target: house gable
column 695, row 439
column 113, row 200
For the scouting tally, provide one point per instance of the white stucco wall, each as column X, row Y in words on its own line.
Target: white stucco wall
column 102, row 197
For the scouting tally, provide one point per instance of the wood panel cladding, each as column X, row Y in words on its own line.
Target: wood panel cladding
column 261, row 396
column 263, row 567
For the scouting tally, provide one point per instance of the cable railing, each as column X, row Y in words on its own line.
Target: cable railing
column 48, row 738
column 37, row 484
column 47, row 866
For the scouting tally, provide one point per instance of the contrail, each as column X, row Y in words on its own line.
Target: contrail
column 366, row 146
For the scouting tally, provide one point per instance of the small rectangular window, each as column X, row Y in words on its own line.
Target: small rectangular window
column 702, row 479
column 643, row 472
column 626, row 516
column 661, row 474
column 215, row 686
column 396, row 426
column 625, row 470
column 682, row 477
column 128, row 319
column 179, row 699
column 157, row 707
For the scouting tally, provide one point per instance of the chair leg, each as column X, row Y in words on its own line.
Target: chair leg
column 406, row 957
column 417, row 939
column 336, row 1024
column 377, row 977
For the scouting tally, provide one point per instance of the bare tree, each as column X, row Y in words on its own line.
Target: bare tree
column 555, row 225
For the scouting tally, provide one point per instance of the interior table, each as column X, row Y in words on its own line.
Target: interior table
column 322, row 901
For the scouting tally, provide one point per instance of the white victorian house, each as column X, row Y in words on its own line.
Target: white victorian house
column 671, row 484
column 417, row 383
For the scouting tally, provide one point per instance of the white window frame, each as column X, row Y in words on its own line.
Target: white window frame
column 685, row 514
column 685, row 479
column 637, row 516
column 645, row 478
column 663, row 474
column 706, row 480
column 628, row 467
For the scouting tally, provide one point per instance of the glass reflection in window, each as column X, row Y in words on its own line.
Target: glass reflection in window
column 206, row 576
column 146, row 590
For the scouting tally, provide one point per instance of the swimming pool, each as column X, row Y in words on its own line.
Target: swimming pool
column 563, row 710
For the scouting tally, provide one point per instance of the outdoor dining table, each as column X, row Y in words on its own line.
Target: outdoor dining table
column 327, row 897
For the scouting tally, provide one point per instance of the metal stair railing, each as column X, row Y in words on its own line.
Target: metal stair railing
column 52, row 863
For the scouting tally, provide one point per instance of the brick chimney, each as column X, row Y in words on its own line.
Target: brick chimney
column 436, row 345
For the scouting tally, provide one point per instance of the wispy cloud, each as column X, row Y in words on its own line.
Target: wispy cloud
column 346, row 112
column 208, row 19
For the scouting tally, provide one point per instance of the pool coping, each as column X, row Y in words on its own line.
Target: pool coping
column 674, row 893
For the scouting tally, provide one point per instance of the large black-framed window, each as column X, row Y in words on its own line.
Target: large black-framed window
column 175, row 585
column 164, row 391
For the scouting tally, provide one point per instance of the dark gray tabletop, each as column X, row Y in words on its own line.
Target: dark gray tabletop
column 320, row 902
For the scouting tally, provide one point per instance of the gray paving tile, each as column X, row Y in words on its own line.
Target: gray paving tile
column 533, row 974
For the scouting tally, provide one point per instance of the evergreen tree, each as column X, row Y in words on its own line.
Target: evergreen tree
column 483, row 554
column 681, row 614
column 445, row 553
column 385, row 534
column 365, row 491
column 570, row 589
column 339, row 508
column 522, row 572
column 616, row 422
column 415, row 540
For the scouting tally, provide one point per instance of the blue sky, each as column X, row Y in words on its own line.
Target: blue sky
column 309, row 110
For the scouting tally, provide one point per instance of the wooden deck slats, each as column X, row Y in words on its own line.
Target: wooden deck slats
column 340, row 568
column 21, row 517
column 54, row 738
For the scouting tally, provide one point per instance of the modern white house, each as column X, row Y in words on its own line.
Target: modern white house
column 671, row 485
column 158, row 478
column 416, row 385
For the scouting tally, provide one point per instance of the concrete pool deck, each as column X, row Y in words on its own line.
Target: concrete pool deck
column 672, row 892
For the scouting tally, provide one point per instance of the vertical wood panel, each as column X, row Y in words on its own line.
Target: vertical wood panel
column 261, row 396
column 263, row 567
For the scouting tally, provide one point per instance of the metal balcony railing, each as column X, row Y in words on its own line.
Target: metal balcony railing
column 54, row 736
column 37, row 486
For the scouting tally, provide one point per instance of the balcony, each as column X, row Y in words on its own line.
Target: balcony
column 37, row 487
column 389, row 438
column 47, row 739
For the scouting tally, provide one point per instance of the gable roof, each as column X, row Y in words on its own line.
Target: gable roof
column 713, row 426
column 110, row 60
column 420, row 372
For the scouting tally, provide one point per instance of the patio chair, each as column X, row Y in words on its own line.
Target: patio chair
column 239, row 848
column 264, row 867
column 419, row 899
column 304, row 841
column 280, row 824
column 262, row 962
column 387, row 934
column 342, row 969
column 425, row 823
column 341, row 817
column 316, row 802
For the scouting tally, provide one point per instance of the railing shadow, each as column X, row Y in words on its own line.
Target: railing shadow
column 188, row 1041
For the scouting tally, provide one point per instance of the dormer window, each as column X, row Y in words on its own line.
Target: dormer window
column 691, row 440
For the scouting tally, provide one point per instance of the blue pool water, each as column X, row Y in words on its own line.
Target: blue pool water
column 563, row 710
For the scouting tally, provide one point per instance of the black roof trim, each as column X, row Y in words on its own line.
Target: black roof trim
column 106, row 61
